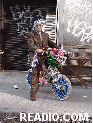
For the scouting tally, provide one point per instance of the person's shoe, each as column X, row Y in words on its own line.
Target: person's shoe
column 33, row 98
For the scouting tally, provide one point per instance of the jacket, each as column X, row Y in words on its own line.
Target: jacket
column 35, row 42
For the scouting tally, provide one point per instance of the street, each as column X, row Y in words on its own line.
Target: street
column 18, row 100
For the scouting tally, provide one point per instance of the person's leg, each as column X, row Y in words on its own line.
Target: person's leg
column 34, row 83
column 35, row 77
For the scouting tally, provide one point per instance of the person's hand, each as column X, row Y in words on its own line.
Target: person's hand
column 39, row 51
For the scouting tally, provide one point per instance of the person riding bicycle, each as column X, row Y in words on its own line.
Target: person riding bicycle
column 36, row 40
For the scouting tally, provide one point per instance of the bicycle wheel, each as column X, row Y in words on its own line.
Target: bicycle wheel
column 61, row 87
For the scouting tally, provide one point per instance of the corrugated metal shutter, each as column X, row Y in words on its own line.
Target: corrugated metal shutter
column 16, row 48
column 15, row 36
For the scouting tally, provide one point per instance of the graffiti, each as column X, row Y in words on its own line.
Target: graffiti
column 24, row 18
column 78, row 19
column 80, row 29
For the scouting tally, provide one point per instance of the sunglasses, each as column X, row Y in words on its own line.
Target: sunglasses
column 38, row 25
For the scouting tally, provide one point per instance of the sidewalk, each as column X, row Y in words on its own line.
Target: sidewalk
column 18, row 100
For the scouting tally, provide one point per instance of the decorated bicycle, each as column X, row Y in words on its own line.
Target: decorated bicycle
column 61, row 85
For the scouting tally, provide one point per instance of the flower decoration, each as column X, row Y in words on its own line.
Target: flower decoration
column 44, row 48
column 62, row 57
column 59, row 55
column 37, row 21
column 54, row 52
column 35, row 60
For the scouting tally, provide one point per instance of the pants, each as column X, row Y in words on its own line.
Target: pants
column 35, row 74
column 34, row 80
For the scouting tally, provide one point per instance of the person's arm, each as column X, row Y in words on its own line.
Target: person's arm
column 31, row 44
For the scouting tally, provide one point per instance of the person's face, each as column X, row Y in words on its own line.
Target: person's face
column 38, row 27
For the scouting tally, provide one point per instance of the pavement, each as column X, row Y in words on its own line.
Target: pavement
column 18, row 100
